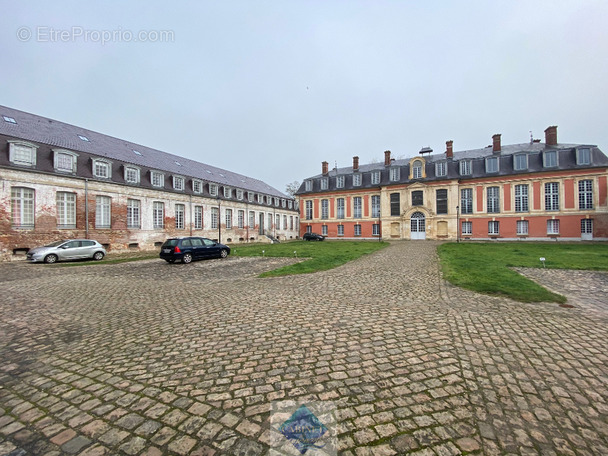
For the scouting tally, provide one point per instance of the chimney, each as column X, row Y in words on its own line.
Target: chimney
column 551, row 136
column 325, row 167
column 449, row 151
column 387, row 158
column 496, row 143
column 355, row 163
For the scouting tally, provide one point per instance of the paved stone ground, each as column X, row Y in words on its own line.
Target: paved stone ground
column 148, row 358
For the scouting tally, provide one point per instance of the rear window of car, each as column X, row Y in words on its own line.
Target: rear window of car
column 170, row 242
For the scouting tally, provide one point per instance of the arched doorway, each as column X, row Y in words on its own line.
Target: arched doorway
column 418, row 226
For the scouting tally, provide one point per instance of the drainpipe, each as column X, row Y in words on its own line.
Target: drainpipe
column 219, row 219
column 191, row 215
column 247, row 220
column 86, row 208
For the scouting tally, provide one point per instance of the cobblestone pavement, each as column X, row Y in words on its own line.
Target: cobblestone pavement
column 148, row 358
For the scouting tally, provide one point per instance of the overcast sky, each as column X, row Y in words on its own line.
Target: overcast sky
column 270, row 89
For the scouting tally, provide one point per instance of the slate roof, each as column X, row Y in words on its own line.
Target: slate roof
column 566, row 160
column 51, row 132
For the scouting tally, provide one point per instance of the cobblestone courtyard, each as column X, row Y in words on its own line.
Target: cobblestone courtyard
column 147, row 358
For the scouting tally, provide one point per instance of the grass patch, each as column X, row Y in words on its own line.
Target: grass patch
column 322, row 255
column 484, row 267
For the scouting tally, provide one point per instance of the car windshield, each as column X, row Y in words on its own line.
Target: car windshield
column 170, row 242
column 55, row 244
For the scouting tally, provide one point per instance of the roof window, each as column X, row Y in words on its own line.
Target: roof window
column 9, row 119
column 84, row 138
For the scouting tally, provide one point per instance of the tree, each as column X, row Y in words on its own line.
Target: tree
column 292, row 188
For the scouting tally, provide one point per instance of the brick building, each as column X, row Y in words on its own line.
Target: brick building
column 534, row 191
column 61, row 181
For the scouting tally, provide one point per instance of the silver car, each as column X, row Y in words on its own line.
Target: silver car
column 73, row 249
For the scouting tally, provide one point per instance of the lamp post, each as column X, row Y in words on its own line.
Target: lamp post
column 457, row 224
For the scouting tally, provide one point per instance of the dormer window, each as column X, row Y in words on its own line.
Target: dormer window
column 340, row 182
column 492, row 165
column 466, row 167
column 324, row 183
column 250, row 197
column 283, row 202
column 179, row 183
column 583, row 156
column 276, row 202
column 64, row 161
column 239, row 194
column 375, row 177
column 441, row 168
column 417, row 170
column 227, row 192
column 357, row 180
column 395, row 174
column 158, row 179
column 131, row 175
column 550, row 158
column 520, row 162
column 308, row 185
column 290, row 204
column 213, row 189
column 102, row 169
column 197, row 186
column 22, row 153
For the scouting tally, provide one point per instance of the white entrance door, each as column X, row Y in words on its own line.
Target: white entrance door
column 418, row 226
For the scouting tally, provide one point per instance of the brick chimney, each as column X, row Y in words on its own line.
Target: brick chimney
column 355, row 163
column 325, row 168
column 387, row 158
column 551, row 136
column 496, row 143
column 449, row 151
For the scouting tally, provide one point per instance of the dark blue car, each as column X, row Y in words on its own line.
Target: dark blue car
column 186, row 249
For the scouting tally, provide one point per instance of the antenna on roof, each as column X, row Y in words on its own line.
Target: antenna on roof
column 336, row 166
column 531, row 137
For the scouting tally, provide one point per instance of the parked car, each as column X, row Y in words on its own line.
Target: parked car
column 313, row 237
column 191, row 248
column 73, row 249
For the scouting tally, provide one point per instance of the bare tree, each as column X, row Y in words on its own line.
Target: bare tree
column 292, row 188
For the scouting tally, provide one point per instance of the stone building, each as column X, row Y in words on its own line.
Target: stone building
column 534, row 191
column 61, row 181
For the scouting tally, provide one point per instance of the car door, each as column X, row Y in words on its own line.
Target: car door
column 87, row 249
column 69, row 250
column 198, row 248
column 211, row 248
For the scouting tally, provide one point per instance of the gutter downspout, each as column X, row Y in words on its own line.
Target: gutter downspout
column 86, row 208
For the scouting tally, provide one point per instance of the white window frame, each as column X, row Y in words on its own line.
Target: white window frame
column 66, row 210
column 522, row 227
column 325, row 209
column 277, row 221
column 376, row 229
column 340, row 230
column 340, row 182
column 179, row 183
column 131, row 174
column 23, row 207
column 467, row 228
column 241, row 219
column 158, row 215
column 466, row 200
column 586, row 226
column 213, row 189
column 395, row 174
column 157, row 179
column 59, row 160
column 546, row 155
column 552, row 227
column 197, row 186
column 133, row 213
column 180, row 216
column 228, row 216
column 239, row 194
column 251, row 220
column 489, row 168
column 215, row 215
column 22, row 153
column 441, row 168
column 308, row 210
column 250, row 196
column 227, row 192
column 340, row 208
column 375, row 177
column 493, row 228
column 417, row 169
column 552, row 196
column 583, row 156
column 357, row 207
column 466, row 167
column 103, row 212
column 375, row 206
column 99, row 165
column 585, row 194
column 520, row 162
column 324, row 230
column 198, row 217
column 356, row 180
column 324, row 183
column 522, row 198
column 493, row 200
column 357, row 229
column 308, row 185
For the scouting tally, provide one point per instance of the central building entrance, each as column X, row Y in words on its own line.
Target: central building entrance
column 418, row 226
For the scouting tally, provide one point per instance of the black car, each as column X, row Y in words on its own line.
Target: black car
column 191, row 248
column 313, row 237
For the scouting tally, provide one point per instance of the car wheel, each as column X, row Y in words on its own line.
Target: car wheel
column 187, row 258
column 50, row 259
column 223, row 253
column 98, row 256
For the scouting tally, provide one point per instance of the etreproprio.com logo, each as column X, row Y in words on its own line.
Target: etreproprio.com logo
column 46, row 34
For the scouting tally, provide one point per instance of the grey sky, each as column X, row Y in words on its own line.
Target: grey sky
column 272, row 88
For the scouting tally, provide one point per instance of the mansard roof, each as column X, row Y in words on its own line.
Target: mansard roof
column 31, row 127
column 534, row 150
